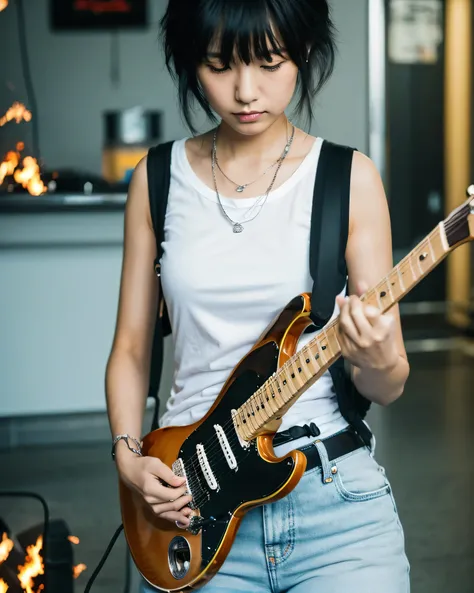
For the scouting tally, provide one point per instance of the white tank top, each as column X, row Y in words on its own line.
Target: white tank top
column 223, row 289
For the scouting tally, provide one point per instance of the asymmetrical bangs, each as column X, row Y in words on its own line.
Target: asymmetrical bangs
column 246, row 30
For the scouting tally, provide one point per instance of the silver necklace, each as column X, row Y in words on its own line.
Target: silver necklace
column 241, row 187
column 237, row 227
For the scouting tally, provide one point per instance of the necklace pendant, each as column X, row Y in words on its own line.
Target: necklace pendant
column 241, row 188
column 237, row 228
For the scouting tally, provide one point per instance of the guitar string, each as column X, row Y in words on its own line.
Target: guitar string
column 402, row 267
column 216, row 445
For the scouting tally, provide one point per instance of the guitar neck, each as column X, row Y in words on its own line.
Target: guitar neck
column 280, row 392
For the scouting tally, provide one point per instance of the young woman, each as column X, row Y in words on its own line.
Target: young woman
column 235, row 253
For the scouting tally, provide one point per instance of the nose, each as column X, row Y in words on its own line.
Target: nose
column 246, row 88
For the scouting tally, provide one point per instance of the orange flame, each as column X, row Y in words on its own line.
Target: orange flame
column 3, row 586
column 33, row 566
column 9, row 165
column 73, row 539
column 3, row 5
column 29, row 177
column 6, row 546
column 76, row 571
column 17, row 112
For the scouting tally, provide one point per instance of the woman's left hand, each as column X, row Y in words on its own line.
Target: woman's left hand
column 367, row 337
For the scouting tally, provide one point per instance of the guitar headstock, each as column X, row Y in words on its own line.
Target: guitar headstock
column 459, row 226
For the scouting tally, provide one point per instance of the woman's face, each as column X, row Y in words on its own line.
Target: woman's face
column 248, row 98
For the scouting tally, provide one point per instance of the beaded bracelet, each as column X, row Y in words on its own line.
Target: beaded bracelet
column 126, row 438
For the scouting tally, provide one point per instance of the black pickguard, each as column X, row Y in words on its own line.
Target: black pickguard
column 254, row 479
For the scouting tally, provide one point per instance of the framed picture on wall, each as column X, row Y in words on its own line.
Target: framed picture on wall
column 99, row 15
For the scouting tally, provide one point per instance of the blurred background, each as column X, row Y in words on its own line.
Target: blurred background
column 83, row 95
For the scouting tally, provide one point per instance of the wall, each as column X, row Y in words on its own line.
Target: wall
column 66, row 298
column 71, row 75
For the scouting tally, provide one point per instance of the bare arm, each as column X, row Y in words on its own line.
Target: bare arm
column 129, row 362
column 372, row 342
column 128, row 368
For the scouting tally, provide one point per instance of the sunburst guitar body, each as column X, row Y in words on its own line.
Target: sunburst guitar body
column 227, row 457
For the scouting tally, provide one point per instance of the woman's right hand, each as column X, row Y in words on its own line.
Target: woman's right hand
column 161, row 489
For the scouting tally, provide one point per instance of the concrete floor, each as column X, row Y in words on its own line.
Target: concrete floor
column 425, row 441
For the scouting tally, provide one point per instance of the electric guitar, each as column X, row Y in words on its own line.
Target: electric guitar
column 227, row 457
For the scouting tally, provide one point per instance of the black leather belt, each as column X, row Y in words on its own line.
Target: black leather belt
column 336, row 446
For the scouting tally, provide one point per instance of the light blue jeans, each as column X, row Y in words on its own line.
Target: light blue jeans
column 338, row 531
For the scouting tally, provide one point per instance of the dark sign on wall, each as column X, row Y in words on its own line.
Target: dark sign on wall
column 98, row 14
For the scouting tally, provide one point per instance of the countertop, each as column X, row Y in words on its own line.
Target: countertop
column 66, row 202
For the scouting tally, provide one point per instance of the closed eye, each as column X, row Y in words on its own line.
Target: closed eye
column 217, row 70
column 273, row 68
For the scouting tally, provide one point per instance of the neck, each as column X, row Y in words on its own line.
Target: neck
column 233, row 145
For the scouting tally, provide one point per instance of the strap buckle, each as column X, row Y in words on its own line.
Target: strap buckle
column 158, row 269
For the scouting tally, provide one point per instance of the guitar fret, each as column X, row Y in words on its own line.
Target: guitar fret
column 274, row 405
column 297, row 380
column 333, row 341
column 430, row 246
column 280, row 391
column 304, row 356
column 400, row 279
column 419, row 262
column 393, row 282
column 312, row 364
column 249, row 417
column 282, row 384
column 260, row 407
column 410, row 261
column 389, row 287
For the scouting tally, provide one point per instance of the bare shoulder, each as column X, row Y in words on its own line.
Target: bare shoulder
column 368, row 199
column 138, row 205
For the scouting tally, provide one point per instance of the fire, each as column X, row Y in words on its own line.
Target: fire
column 3, row 5
column 17, row 112
column 29, row 177
column 33, row 566
column 78, row 569
column 6, row 546
column 9, row 164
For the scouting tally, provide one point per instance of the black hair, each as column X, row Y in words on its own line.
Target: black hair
column 248, row 28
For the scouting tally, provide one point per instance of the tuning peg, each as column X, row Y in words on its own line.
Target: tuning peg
column 470, row 191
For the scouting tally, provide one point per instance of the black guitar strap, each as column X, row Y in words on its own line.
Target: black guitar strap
column 329, row 229
column 158, row 173
column 329, row 233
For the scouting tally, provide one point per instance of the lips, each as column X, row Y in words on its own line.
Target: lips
column 249, row 116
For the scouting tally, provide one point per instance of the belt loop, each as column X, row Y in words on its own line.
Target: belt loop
column 326, row 467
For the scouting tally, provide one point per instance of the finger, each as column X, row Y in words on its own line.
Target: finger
column 176, row 506
column 373, row 315
column 174, row 516
column 348, row 348
column 384, row 326
column 346, row 321
column 162, row 471
column 155, row 493
column 340, row 301
column 362, row 324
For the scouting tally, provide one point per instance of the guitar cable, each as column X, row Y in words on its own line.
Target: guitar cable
column 103, row 560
